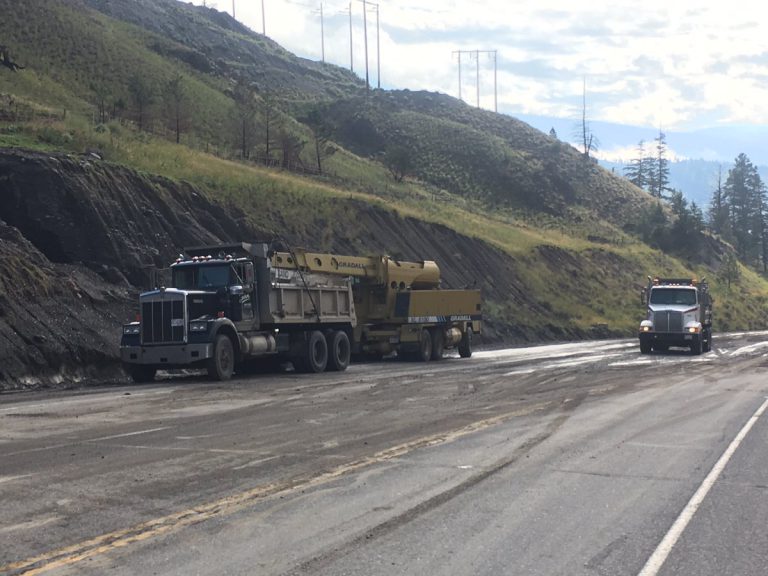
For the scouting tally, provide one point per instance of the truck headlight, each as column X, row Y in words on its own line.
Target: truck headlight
column 132, row 329
column 200, row 326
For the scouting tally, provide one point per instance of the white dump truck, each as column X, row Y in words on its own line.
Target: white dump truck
column 679, row 314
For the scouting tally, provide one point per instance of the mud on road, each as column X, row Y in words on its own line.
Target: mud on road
column 111, row 466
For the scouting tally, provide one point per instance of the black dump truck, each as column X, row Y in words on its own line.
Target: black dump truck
column 227, row 306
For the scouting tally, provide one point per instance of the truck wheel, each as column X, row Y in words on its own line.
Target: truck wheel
column 315, row 354
column 708, row 342
column 465, row 346
column 438, row 344
column 425, row 347
column 696, row 346
column 645, row 347
column 339, row 351
column 141, row 374
column 222, row 364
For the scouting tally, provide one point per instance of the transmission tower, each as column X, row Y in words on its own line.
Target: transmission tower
column 475, row 55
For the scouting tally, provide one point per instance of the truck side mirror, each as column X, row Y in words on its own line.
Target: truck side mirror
column 236, row 290
column 248, row 274
column 643, row 296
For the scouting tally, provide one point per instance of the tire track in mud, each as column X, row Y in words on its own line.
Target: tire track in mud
column 317, row 563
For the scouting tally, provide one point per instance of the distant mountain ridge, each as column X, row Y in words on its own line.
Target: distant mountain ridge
column 696, row 179
column 718, row 144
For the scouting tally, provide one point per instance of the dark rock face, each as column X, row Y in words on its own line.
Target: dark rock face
column 111, row 219
column 77, row 240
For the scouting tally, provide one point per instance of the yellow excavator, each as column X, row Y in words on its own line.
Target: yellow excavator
column 400, row 306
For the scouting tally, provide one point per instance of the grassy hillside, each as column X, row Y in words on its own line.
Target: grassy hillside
column 575, row 269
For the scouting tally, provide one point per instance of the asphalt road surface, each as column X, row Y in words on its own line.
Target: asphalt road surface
column 573, row 459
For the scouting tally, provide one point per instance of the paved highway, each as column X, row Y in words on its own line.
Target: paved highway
column 568, row 459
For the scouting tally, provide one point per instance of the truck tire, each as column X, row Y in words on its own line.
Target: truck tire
column 645, row 347
column 141, row 374
column 314, row 357
column 222, row 364
column 425, row 347
column 438, row 344
column 696, row 346
column 465, row 346
column 339, row 351
column 708, row 341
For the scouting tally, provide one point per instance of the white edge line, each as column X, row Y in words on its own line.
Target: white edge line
column 659, row 556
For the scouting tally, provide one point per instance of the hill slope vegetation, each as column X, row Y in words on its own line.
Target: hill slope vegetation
column 94, row 189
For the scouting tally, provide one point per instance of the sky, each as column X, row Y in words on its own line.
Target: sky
column 677, row 65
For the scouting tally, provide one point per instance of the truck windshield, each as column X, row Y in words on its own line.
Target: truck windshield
column 200, row 277
column 683, row 296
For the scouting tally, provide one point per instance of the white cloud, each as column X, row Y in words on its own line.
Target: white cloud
column 681, row 64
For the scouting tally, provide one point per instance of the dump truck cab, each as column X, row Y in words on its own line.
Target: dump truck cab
column 679, row 313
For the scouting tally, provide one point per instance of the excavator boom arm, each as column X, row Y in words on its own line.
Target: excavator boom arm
column 378, row 269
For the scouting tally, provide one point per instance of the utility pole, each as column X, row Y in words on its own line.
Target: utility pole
column 459, row 52
column 365, row 42
column 322, row 33
column 233, row 10
column 263, row 20
column 477, row 75
column 351, row 59
column 378, row 51
column 495, row 85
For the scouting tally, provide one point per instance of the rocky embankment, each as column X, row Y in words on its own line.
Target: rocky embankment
column 79, row 237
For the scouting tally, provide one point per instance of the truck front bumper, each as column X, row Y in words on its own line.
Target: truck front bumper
column 174, row 356
column 669, row 338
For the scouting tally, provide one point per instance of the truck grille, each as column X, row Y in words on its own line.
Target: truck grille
column 668, row 321
column 162, row 321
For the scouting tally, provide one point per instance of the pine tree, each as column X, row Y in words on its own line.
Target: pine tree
column 658, row 177
column 636, row 170
column 747, row 200
column 719, row 219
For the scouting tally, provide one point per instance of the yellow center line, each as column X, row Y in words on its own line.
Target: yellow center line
column 159, row 526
